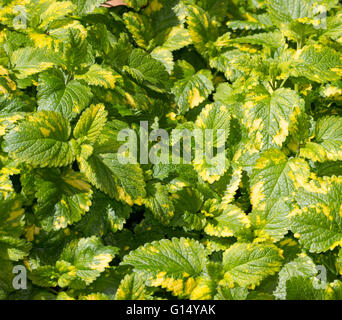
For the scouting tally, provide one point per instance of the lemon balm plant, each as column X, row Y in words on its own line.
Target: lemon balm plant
column 74, row 74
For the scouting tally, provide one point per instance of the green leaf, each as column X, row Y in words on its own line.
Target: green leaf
column 41, row 140
column 224, row 62
column 132, row 287
column 45, row 276
column 302, row 266
column 268, row 117
column 55, row 93
column 272, row 222
column 231, row 222
column 91, row 123
column 328, row 137
column 153, row 25
column 317, row 63
column 99, row 76
column 159, row 201
column 334, row 290
column 98, row 174
column 267, row 39
column 82, row 261
column 164, row 56
column 63, row 198
column 105, row 215
column 304, row 288
column 314, row 152
column 86, row 6
column 143, row 68
column 6, row 278
column 55, row 11
column 232, row 187
column 129, row 178
column 275, row 176
column 247, row 263
column 172, row 264
column 77, row 51
column 13, row 249
column 11, row 210
column 187, row 203
column 226, row 293
column 140, row 27
column 206, row 286
column 317, row 221
column 245, row 25
column 216, row 117
column 192, row 90
column 334, row 27
column 103, row 169
column 329, row 168
column 202, row 30
column 29, row 61
column 108, row 282
column 288, row 10
column 178, row 38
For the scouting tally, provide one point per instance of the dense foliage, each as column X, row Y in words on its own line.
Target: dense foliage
column 86, row 226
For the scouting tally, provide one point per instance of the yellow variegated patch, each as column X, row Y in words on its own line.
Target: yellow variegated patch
column 99, row 76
